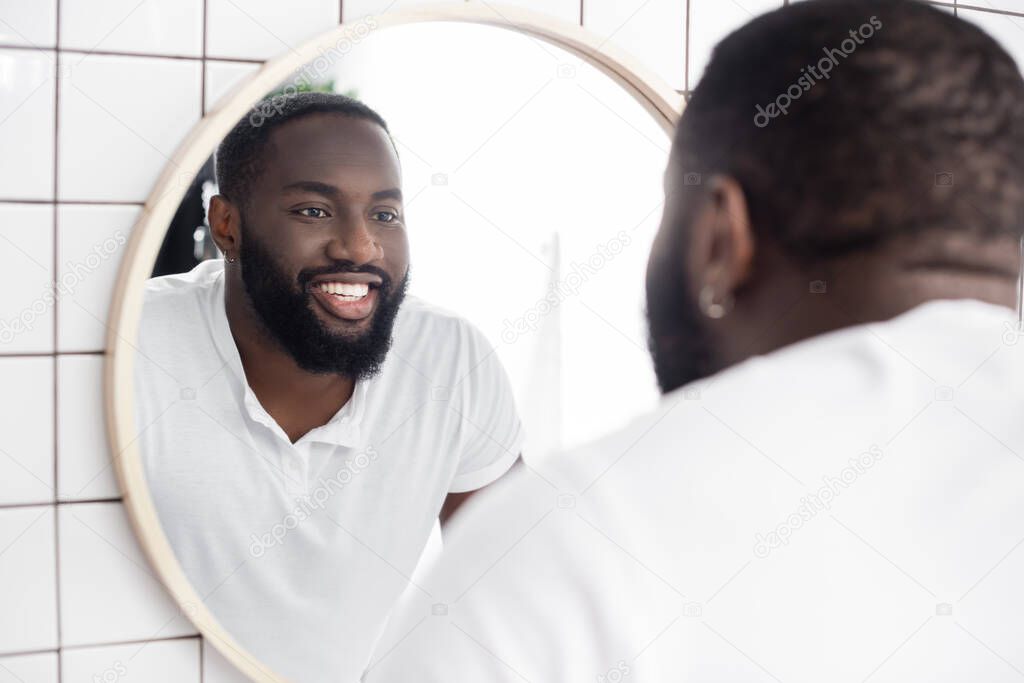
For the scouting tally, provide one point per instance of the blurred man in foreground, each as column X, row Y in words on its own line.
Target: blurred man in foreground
column 831, row 487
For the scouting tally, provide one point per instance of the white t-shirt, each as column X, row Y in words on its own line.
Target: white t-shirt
column 848, row 508
column 301, row 550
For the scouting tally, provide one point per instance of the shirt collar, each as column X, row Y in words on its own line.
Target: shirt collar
column 343, row 429
column 951, row 314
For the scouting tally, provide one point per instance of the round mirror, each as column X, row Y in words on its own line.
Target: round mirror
column 415, row 262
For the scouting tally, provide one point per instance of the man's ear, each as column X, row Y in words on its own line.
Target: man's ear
column 721, row 251
column 225, row 223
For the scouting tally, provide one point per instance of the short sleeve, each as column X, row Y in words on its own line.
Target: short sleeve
column 491, row 434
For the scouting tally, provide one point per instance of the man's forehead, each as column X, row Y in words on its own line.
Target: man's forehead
column 324, row 145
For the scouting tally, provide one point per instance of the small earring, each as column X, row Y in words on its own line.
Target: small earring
column 711, row 308
column 229, row 259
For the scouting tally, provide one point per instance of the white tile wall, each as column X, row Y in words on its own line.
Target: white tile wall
column 26, row 431
column 26, row 274
column 172, row 27
column 216, row 669
column 28, row 584
column 28, row 23
column 566, row 10
column 1005, row 5
column 653, row 31
column 85, row 471
column 167, row 661
column 26, row 136
column 222, row 76
column 355, row 9
column 259, row 29
column 712, row 20
column 121, row 120
column 74, row 585
column 90, row 244
column 36, row 668
column 1007, row 28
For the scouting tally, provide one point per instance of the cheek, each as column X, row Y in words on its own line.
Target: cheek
column 293, row 258
column 286, row 243
column 396, row 247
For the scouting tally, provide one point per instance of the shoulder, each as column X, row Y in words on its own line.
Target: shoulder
column 417, row 314
column 426, row 328
column 166, row 289
column 175, row 305
column 169, row 290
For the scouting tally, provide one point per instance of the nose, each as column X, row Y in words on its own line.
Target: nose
column 354, row 241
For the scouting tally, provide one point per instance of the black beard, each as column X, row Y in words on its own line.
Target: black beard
column 679, row 340
column 284, row 308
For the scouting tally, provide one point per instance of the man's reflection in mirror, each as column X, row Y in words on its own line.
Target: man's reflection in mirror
column 303, row 421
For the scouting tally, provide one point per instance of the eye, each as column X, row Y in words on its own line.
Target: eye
column 312, row 212
column 385, row 216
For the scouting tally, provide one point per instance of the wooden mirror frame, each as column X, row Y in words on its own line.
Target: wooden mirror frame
column 657, row 98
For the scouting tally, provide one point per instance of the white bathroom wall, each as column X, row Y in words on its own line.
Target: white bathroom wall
column 94, row 98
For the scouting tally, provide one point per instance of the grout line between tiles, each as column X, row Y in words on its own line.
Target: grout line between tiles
column 56, row 378
column 686, row 50
column 71, row 648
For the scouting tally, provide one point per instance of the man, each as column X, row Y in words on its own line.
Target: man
column 302, row 422
column 830, row 489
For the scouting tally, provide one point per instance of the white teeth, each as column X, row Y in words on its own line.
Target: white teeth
column 345, row 289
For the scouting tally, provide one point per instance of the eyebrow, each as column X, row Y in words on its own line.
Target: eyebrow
column 393, row 193
column 327, row 190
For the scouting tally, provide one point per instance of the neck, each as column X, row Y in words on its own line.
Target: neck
column 866, row 288
column 299, row 401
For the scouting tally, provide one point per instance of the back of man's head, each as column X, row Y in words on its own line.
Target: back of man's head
column 851, row 121
column 876, row 145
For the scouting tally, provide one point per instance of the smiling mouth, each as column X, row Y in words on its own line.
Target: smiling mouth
column 349, row 301
column 345, row 291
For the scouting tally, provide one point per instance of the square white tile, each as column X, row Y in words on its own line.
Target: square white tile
column 109, row 593
column 90, row 245
column 26, row 430
column 222, row 76
column 27, row 93
column 171, row 27
column 121, row 119
column 712, row 20
column 27, row 293
column 158, row 661
column 1005, row 28
column 35, row 668
column 261, row 29
column 28, row 584
column 652, row 31
column 28, row 23
column 84, row 468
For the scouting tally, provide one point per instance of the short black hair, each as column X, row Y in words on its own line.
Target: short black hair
column 919, row 127
column 240, row 153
